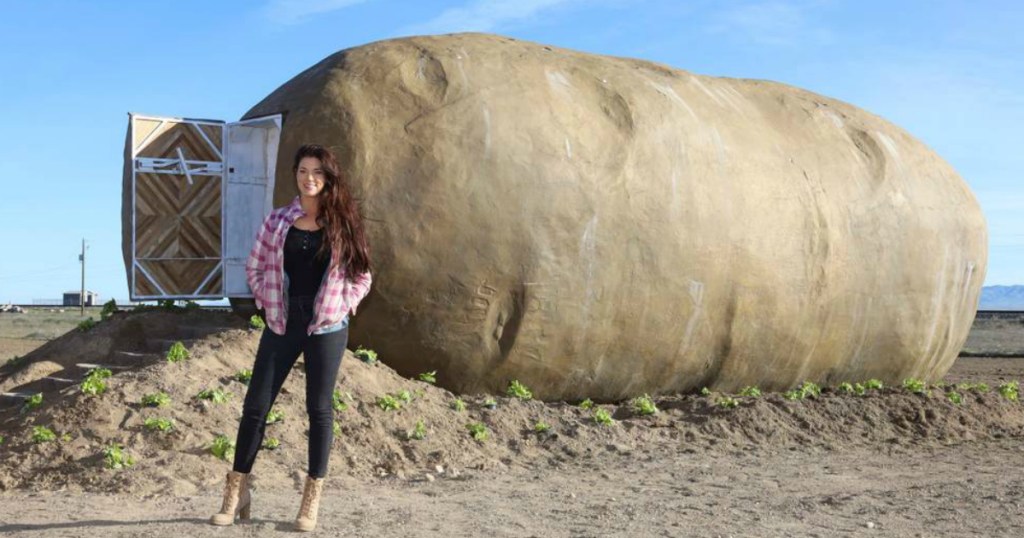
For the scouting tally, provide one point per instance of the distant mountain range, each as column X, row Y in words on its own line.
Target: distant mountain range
column 1002, row 298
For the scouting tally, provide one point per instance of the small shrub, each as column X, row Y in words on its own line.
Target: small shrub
column 257, row 323
column 587, row 404
column 109, row 308
column 158, row 424
column 728, row 402
column 388, row 402
column 159, row 399
column 272, row 443
column 222, row 447
column 167, row 304
column 87, row 324
column 603, row 417
column 1010, row 390
column 458, row 405
column 541, row 427
column 42, row 434
column 429, row 377
column 916, row 386
column 644, row 405
column 114, row 457
column 244, row 376
column 32, row 402
column 275, row 416
column 214, row 395
column 177, row 352
column 518, row 390
column 418, row 432
column 954, row 397
column 478, row 430
column 368, row 356
column 337, row 401
column 750, row 392
column 93, row 383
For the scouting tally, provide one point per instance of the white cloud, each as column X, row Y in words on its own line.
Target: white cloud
column 296, row 11
column 483, row 15
column 769, row 23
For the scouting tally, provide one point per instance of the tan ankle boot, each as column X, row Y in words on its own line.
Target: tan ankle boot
column 306, row 520
column 237, row 499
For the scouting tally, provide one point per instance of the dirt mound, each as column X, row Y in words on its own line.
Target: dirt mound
column 373, row 441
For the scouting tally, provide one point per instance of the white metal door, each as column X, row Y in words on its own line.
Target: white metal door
column 251, row 159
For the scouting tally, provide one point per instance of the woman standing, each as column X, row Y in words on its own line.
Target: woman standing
column 308, row 270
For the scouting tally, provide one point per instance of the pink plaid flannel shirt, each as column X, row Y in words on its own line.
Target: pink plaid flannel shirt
column 336, row 297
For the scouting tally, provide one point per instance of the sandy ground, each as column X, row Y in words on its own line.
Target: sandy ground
column 968, row 490
column 890, row 489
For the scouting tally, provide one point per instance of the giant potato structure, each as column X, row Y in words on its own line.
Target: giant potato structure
column 602, row 227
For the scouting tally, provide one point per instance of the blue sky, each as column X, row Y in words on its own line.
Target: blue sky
column 951, row 73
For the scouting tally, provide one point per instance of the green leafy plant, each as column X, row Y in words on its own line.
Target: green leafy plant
column 214, row 395
column 954, row 397
column 109, row 308
column 976, row 387
column 1010, row 390
column 404, row 395
column 388, row 402
column 806, row 390
column 32, row 402
column 177, row 352
column 478, row 430
column 337, row 401
column 336, row 428
column 271, row 443
column 158, row 399
column 518, row 390
column 603, row 417
column 114, row 457
column 458, row 405
column 705, row 392
column 644, row 405
column 429, row 377
column 587, row 404
column 916, row 386
column 750, row 392
column 873, row 384
column 541, row 427
column 87, row 324
column 489, row 403
column 859, row 389
column 158, row 424
column 244, row 375
column 167, row 304
column 275, row 416
column 845, row 387
column 222, row 447
column 368, row 356
column 418, row 432
column 93, row 383
column 728, row 402
column 42, row 434
column 257, row 323
column 2, row 439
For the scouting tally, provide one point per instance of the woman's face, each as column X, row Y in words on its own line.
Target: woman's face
column 310, row 177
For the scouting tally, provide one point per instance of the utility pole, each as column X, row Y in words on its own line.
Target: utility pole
column 81, row 298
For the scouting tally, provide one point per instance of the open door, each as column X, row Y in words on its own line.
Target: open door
column 251, row 162
column 195, row 193
column 177, row 168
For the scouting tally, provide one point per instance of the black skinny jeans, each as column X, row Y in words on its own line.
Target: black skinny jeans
column 274, row 360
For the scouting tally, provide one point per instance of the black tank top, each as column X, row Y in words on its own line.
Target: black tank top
column 305, row 269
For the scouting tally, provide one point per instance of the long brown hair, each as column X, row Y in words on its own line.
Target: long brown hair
column 339, row 214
